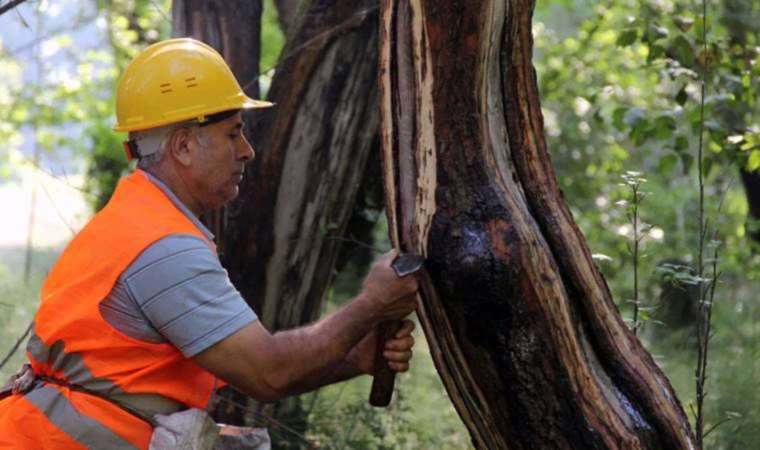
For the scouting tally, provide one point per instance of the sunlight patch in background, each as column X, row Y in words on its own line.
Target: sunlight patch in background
column 60, row 208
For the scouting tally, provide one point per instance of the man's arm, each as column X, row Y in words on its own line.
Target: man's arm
column 269, row 367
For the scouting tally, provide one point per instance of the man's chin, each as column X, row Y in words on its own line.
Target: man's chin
column 226, row 197
column 233, row 194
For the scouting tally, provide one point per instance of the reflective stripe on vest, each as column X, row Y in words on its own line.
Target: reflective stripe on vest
column 61, row 413
column 73, row 370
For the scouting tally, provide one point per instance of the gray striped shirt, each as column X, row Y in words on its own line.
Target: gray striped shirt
column 176, row 291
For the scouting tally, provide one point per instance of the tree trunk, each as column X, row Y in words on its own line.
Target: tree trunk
column 312, row 150
column 288, row 13
column 233, row 28
column 522, row 327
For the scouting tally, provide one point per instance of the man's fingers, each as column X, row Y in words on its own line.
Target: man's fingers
column 406, row 328
column 410, row 301
column 397, row 356
column 398, row 366
column 400, row 344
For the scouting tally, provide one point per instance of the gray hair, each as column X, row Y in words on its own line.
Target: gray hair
column 152, row 143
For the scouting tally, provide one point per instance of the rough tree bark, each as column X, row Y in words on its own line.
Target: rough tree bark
column 523, row 330
column 288, row 12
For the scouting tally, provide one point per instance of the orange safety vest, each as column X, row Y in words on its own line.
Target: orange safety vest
column 73, row 343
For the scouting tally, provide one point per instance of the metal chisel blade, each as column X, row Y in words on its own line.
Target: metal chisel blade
column 407, row 264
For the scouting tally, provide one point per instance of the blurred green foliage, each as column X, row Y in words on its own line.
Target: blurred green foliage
column 620, row 90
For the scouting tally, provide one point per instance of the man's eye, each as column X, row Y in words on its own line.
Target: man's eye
column 233, row 136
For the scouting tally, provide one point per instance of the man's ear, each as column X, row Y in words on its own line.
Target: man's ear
column 181, row 145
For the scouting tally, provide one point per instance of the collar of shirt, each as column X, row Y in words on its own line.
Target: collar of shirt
column 181, row 206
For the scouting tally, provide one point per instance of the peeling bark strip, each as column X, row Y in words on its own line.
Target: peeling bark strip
column 525, row 335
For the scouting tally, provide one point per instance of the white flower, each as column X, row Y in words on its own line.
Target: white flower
column 581, row 106
column 624, row 230
column 656, row 233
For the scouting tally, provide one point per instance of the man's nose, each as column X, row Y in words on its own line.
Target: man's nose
column 245, row 151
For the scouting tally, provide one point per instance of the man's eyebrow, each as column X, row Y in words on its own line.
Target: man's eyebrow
column 238, row 126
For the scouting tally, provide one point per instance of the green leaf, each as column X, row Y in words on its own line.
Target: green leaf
column 655, row 52
column 682, row 50
column 681, row 144
column 617, row 118
column 627, row 37
column 753, row 162
column 667, row 163
column 686, row 161
column 641, row 130
column 664, row 126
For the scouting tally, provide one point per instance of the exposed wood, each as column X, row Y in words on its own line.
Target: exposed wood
column 524, row 332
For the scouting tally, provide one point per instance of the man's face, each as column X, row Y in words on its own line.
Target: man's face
column 218, row 161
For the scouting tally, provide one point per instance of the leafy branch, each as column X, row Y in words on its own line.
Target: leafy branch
column 634, row 180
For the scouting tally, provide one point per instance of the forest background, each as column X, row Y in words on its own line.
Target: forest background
column 621, row 98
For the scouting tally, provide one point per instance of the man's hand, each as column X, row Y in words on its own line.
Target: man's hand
column 340, row 346
column 393, row 296
column 397, row 351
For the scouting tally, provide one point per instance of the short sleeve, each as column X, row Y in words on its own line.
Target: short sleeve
column 184, row 292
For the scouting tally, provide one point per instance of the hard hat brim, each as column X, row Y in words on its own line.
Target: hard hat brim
column 247, row 103
column 256, row 104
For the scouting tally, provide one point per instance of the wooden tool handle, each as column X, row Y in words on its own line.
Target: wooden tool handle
column 385, row 378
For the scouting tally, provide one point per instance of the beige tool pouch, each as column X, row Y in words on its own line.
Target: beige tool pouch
column 193, row 429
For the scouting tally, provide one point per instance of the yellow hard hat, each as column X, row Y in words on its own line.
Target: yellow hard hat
column 174, row 81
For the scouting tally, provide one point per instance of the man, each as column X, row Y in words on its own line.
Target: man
column 138, row 317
